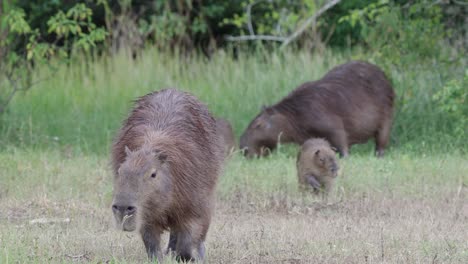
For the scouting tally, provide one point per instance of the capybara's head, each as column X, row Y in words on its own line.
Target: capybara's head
column 263, row 133
column 142, row 181
column 326, row 161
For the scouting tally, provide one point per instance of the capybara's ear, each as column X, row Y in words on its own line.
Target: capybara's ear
column 162, row 157
column 263, row 108
column 269, row 111
column 127, row 151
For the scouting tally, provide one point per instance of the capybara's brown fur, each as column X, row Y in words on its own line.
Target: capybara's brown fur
column 317, row 166
column 350, row 104
column 226, row 134
column 166, row 159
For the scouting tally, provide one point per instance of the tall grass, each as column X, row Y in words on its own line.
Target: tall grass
column 82, row 105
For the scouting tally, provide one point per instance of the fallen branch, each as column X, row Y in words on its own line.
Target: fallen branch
column 78, row 257
column 256, row 37
column 310, row 21
column 285, row 40
column 49, row 221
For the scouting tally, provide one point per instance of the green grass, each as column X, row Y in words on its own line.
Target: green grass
column 82, row 105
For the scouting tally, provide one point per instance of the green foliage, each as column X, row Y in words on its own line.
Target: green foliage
column 452, row 102
column 272, row 17
column 204, row 24
column 77, row 23
column 74, row 29
column 342, row 34
column 22, row 45
column 15, row 20
column 400, row 36
column 181, row 24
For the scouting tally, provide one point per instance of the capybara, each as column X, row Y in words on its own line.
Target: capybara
column 226, row 134
column 317, row 166
column 166, row 160
column 350, row 104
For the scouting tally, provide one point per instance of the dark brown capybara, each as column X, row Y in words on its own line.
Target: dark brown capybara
column 350, row 104
column 166, row 159
column 317, row 166
column 226, row 134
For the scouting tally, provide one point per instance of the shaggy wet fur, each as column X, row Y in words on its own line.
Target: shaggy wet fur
column 167, row 158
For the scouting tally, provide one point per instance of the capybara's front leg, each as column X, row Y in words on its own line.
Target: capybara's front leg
column 151, row 238
column 201, row 251
column 339, row 140
column 313, row 182
column 184, row 246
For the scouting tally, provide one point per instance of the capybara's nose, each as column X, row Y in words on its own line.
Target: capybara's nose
column 335, row 170
column 124, row 209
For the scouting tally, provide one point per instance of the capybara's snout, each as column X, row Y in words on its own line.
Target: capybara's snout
column 124, row 211
column 334, row 169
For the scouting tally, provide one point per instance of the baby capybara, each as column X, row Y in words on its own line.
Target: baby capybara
column 226, row 134
column 317, row 166
column 350, row 104
column 166, row 159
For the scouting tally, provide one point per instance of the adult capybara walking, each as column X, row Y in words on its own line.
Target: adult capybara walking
column 317, row 166
column 166, row 159
column 350, row 104
column 226, row 134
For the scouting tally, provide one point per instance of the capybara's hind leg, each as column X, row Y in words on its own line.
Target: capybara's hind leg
column 151, row 238
column 382, row 137
column 339, row 140
column 171, row 247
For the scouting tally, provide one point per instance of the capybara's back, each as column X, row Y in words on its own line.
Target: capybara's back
column 317, row 166
column 226, row 134
column 166, row 159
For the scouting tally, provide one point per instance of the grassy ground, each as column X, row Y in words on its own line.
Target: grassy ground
column 409, row 207
column 401, row 209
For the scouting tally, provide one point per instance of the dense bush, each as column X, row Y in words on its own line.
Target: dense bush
column 23, row 46
column 205, row 24
column 452, row 102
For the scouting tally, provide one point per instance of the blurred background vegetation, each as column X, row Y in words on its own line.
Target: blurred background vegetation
column 68, row 69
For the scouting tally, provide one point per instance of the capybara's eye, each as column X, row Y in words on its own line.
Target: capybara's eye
column 153, row 175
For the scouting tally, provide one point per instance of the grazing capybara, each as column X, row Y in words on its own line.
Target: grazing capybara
column 317, row 166
column 166, row 160
column 350, row 104
column 226, row 134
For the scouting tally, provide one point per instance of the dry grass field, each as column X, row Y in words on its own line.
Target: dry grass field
column 400, row 209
